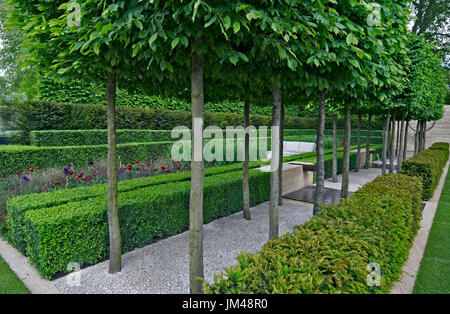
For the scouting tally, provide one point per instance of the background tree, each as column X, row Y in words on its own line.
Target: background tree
column 431, row 19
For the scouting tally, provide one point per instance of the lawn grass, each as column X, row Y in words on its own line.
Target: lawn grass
column 434, row 272
column 9, row 283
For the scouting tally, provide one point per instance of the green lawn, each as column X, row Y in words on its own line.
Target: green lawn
column 9, row 283
column 434, row 272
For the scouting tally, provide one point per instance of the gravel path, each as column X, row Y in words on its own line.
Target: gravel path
column 163, row 267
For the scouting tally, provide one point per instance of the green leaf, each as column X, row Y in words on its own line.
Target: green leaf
column 151, row 41
column 236, row 27
column 175, row 42
column 227, row 22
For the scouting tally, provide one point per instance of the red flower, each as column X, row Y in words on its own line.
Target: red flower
column 178, row 167
column 80, row 175
column 31, row 169
column 38, row 167
column 162, row 167
column 57, row 183
column 88, row 178
column 130, row 167
column 136, row 161
column 137, row 168
column 84, row 179
column 156, row 169
column 70, row 173
column 168, row 170
column 17, row 172
column 149, row 164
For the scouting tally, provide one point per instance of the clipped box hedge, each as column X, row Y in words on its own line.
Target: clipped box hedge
column 18, row 206
column 428, row 165
column 78, row 232
column 331, row 252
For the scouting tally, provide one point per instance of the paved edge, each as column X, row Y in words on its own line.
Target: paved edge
column 410, row 270
column 28, row 274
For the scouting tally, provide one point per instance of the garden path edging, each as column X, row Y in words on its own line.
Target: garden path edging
column 25, row 272
column 410, row 270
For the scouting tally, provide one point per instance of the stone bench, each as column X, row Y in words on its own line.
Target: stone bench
column 295, row 148
column 295, row 176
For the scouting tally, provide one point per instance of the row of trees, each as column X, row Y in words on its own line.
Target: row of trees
column 346, row 56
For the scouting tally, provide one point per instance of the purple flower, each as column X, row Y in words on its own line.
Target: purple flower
column 24, row 178
column 90, row 162
column 66, row 170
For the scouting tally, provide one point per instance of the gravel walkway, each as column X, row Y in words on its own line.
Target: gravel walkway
column 163, row 267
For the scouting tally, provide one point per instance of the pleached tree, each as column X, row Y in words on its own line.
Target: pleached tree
column 66, row 42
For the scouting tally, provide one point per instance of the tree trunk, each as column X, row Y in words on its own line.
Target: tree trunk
column 424, row 136
column 346, row 161
column 320, row 173
column 274, row 175
column 400, row 145
column 405, row 144
column 369, row 127
column 358, row 154
column 385, row 141
column 280, row 173
column 115, row 240
column 391, row 157
column 197, row 178
column 334, row 178
column 416, row 139
column 419, row 136
column 397, row 139
column 245, row 184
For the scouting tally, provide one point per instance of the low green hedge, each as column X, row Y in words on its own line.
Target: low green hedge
column 78, row 232
column 18, row 206
column 428, row 165
column 331, row 252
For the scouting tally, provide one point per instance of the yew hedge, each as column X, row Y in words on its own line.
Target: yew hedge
column 331, row 252
column 428, row 165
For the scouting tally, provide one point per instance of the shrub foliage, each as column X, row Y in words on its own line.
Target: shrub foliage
column 331, row 252
column 428, row 165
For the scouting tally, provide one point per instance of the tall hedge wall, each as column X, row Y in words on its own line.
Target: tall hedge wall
column 40, row 115
column 100, row 137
